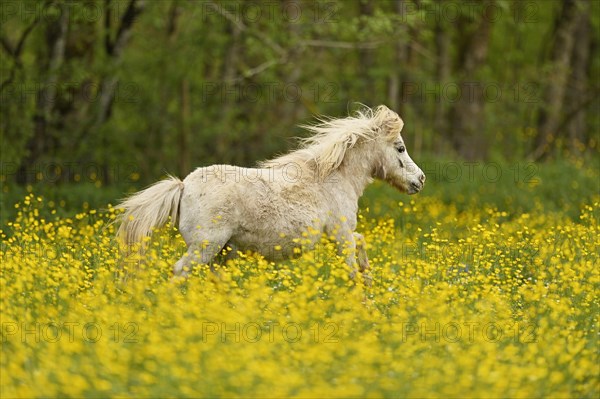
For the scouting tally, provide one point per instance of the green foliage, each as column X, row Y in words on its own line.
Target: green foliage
column 198, row 83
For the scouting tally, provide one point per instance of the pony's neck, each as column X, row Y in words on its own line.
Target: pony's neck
column 356, row 170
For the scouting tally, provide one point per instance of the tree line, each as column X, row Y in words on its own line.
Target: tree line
column 169, row 85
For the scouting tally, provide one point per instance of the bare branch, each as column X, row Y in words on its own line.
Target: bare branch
column 344, row 45
column 108, row 44
column 362, row 45
column 7, row 46
column 115, row 46
column 15, row 52
column 126, row 22
column 244, row 28
column 582, row 105
column 258, row 69
column 26, row 33
column 108, row 83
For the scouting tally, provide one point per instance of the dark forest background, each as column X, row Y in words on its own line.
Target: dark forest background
column 128, row 90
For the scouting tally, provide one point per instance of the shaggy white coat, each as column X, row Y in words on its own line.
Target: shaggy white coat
column 312, row 190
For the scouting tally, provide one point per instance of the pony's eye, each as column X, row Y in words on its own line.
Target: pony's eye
column 401, row 149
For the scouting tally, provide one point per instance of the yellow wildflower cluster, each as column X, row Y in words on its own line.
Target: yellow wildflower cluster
column 478, row 303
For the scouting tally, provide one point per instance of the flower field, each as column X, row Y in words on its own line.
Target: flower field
column 482, row 301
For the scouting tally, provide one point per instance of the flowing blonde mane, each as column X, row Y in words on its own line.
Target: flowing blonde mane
column 323, row 152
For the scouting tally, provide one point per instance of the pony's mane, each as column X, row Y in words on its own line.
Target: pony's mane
column 324, row 152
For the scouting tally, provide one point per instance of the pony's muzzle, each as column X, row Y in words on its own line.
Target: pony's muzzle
column 416, row 186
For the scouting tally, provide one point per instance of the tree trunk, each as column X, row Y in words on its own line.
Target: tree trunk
column 442, row 69
column 114, row 50
column 365, row 57
column 466, row 116
column 577, row 89
column 46, row 97
column 395, row 79
column 109, row 83
column 550, row 114
column 184, row 129
column 229, row 104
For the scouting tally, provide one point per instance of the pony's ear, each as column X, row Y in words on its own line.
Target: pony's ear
column 388, row 122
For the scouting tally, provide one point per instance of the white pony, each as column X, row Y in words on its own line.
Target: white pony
column 302, row 194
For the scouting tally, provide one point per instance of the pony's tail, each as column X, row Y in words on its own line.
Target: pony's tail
column 149, row 209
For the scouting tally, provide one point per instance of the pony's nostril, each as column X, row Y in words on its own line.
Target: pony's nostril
column 422, row 178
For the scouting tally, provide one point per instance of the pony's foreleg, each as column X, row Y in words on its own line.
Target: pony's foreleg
column 362, row 258
column 361, row 253
column 346, row 247
column 352, row 246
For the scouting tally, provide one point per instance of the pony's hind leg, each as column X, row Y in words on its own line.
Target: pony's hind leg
column 201, row 251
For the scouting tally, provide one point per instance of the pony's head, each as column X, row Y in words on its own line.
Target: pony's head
column 393, row 164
